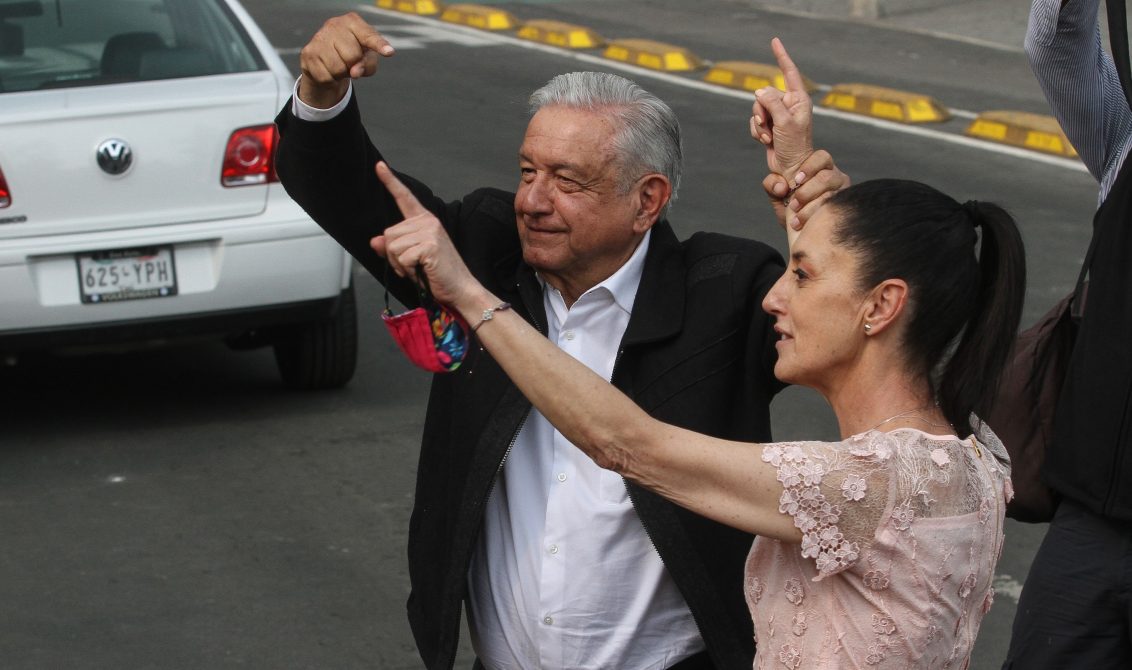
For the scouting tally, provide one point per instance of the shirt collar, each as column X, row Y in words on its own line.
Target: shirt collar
column 622, row 285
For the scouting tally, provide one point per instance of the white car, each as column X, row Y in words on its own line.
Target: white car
column 138, row 198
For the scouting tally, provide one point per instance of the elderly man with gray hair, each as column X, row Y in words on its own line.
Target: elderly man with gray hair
column 562, row 564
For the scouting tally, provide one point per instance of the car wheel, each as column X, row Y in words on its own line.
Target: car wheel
column 323, row 354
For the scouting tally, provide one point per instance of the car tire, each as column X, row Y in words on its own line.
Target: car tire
column 323, row 354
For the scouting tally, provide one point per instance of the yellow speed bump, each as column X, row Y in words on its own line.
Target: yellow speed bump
column 479, row 16
column 885, row 103
column 559, row 34
column 653, row 55
column 411, row 6
column 1022, row 129
column 749, row 76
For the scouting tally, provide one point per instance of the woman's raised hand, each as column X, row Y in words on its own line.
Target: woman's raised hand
column 800, row 178
column 783, row 120
column 421, row 241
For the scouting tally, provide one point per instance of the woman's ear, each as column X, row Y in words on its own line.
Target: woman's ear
column 885, row 305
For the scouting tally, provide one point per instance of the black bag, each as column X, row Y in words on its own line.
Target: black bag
column 1022, row 414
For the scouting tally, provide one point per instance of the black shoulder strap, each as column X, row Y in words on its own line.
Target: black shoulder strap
column 1077, row 305
column 1118, row 39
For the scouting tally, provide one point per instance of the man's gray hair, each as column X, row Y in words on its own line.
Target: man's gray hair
column 647, row 135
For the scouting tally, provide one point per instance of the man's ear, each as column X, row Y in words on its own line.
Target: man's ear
column 653, row 193
column 885, row 305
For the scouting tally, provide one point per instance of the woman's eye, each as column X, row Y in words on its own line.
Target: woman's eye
column 800, row 274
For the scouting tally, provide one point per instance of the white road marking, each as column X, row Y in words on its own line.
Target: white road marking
column 438, row 33
column 405, row 43
column 404, row 38
column 917, row 131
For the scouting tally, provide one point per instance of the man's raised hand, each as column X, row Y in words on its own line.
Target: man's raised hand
column 345, row 47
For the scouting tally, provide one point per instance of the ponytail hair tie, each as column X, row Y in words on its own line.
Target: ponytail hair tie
column 971, row 207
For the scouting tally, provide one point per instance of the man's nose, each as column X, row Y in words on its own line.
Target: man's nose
column 536, row 196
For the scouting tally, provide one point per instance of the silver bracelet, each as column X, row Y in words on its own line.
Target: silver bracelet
column 489, row 314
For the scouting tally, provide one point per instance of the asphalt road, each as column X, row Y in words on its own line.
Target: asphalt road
column 176, row 508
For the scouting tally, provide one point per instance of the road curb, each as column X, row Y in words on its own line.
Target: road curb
column 420, row 7
column 560, row 34
column 750, row 76
column 1022, row 129
column 479, row 16
column 653, row 55
column 885, row 103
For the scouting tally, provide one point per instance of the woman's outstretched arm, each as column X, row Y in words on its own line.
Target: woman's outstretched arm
column 722, row 480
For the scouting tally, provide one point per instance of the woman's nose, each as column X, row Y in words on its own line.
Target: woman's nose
column 775, row 300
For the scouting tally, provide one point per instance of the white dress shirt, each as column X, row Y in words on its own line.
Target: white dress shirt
column 564, row 575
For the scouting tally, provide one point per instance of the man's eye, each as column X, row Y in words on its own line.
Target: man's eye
column 801, row 274
column 527, row 173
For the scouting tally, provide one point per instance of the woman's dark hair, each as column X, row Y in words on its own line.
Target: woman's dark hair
column 907, row 230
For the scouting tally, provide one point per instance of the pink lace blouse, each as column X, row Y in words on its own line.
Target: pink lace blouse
column 901, row 533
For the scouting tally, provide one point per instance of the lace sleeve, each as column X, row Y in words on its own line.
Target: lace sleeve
column 837, row 493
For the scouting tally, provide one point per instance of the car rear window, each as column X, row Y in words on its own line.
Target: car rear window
column 63, row 43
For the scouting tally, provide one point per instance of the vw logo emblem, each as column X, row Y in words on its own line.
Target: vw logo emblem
column 114, row 156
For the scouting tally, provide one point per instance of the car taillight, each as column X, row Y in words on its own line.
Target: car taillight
column 250, row 157
column 5, row 194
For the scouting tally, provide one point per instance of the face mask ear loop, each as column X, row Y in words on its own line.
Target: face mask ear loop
column 385, row 285
column 424, row 293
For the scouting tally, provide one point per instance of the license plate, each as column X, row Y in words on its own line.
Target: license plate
column 126, row 274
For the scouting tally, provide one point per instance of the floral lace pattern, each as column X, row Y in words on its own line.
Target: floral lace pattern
column 803, row 499
column 900, row 535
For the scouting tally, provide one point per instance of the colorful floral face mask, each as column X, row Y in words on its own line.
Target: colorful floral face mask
column 431, row 336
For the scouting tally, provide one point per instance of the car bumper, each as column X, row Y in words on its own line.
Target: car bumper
column 254, row 325
column 223, row 269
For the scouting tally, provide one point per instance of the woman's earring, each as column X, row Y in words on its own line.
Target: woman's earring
column 868, row 327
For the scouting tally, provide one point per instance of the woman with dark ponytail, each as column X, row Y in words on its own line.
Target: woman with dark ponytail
column 973, row 303
column 899, row 305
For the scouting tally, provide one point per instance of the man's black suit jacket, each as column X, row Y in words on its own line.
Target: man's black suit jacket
column 698, row 352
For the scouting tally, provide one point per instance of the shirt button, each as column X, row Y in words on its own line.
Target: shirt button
column 548, row 620
column 561, row 476
column 553, row 548
column 569, row 334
